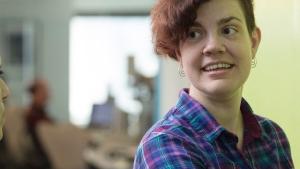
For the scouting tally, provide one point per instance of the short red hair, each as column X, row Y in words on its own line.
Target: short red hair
column 171, row 20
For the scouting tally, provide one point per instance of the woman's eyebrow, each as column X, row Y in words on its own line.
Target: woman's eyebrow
column 220, row 22
column 196, row 24
column 228, row 19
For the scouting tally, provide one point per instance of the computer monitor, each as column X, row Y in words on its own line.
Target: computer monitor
column 102, row 115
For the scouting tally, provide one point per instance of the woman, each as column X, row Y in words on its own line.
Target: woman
column 4, row 92
column 211, row 126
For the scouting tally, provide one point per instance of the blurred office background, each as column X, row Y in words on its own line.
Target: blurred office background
column 97, row 57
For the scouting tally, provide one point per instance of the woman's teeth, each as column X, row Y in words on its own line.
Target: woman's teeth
column 217, row 66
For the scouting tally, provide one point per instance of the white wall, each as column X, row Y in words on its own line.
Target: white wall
column 100, row 6
column 52, row 21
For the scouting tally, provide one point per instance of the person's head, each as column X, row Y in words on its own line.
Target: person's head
column 172, row 19
column 4, row 93
column 39, row 92
column 214, row 40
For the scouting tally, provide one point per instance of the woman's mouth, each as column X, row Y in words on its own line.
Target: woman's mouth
column 217, row 66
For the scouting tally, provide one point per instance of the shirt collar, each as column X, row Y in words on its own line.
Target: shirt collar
column 252, row 129
column 197, row 116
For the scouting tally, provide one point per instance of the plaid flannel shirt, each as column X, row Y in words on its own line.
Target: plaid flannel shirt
column 189, row 137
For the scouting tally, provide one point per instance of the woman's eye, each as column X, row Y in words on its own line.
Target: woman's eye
column 229, row 30
column 194, row 35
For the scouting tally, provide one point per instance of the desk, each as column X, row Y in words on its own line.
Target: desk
column 109, row 151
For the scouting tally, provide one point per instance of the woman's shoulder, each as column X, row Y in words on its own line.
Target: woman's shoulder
column 272, row 130
column 268, row 125
column 170, row 127
column 273, row 133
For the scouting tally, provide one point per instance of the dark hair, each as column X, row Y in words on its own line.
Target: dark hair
column 32, row 88
column 35, row 85
column 171, row 20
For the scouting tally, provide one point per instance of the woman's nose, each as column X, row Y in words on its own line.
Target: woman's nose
column 214, row 45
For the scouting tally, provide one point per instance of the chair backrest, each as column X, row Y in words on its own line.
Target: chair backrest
column 64, row 145
column 18, row 141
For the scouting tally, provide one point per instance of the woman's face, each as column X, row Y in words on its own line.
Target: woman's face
column 217, row 54
column 4, row 92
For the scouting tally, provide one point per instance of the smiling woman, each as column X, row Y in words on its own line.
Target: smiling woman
column 4, row 92
column 212, row 125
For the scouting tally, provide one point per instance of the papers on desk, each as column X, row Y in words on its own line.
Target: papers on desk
column 100, row 159
column 109, row 150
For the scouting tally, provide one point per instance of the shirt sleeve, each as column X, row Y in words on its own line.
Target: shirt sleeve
column 166, row 152
column 284, row 150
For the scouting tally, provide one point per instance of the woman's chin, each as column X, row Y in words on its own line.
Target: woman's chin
column 222, row 91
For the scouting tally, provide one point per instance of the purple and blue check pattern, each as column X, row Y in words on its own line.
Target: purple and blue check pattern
column 188, row 137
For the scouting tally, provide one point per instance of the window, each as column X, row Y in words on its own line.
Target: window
column 99, row 50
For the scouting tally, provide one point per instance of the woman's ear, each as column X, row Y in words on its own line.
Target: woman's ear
column 255, row 40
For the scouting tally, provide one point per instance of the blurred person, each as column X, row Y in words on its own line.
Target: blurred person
column 4, row 93
column 212, row 125
column 37, row 113
column 37, row 110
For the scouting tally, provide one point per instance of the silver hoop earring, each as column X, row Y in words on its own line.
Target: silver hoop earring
column 180, row 71
column 253, row 63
